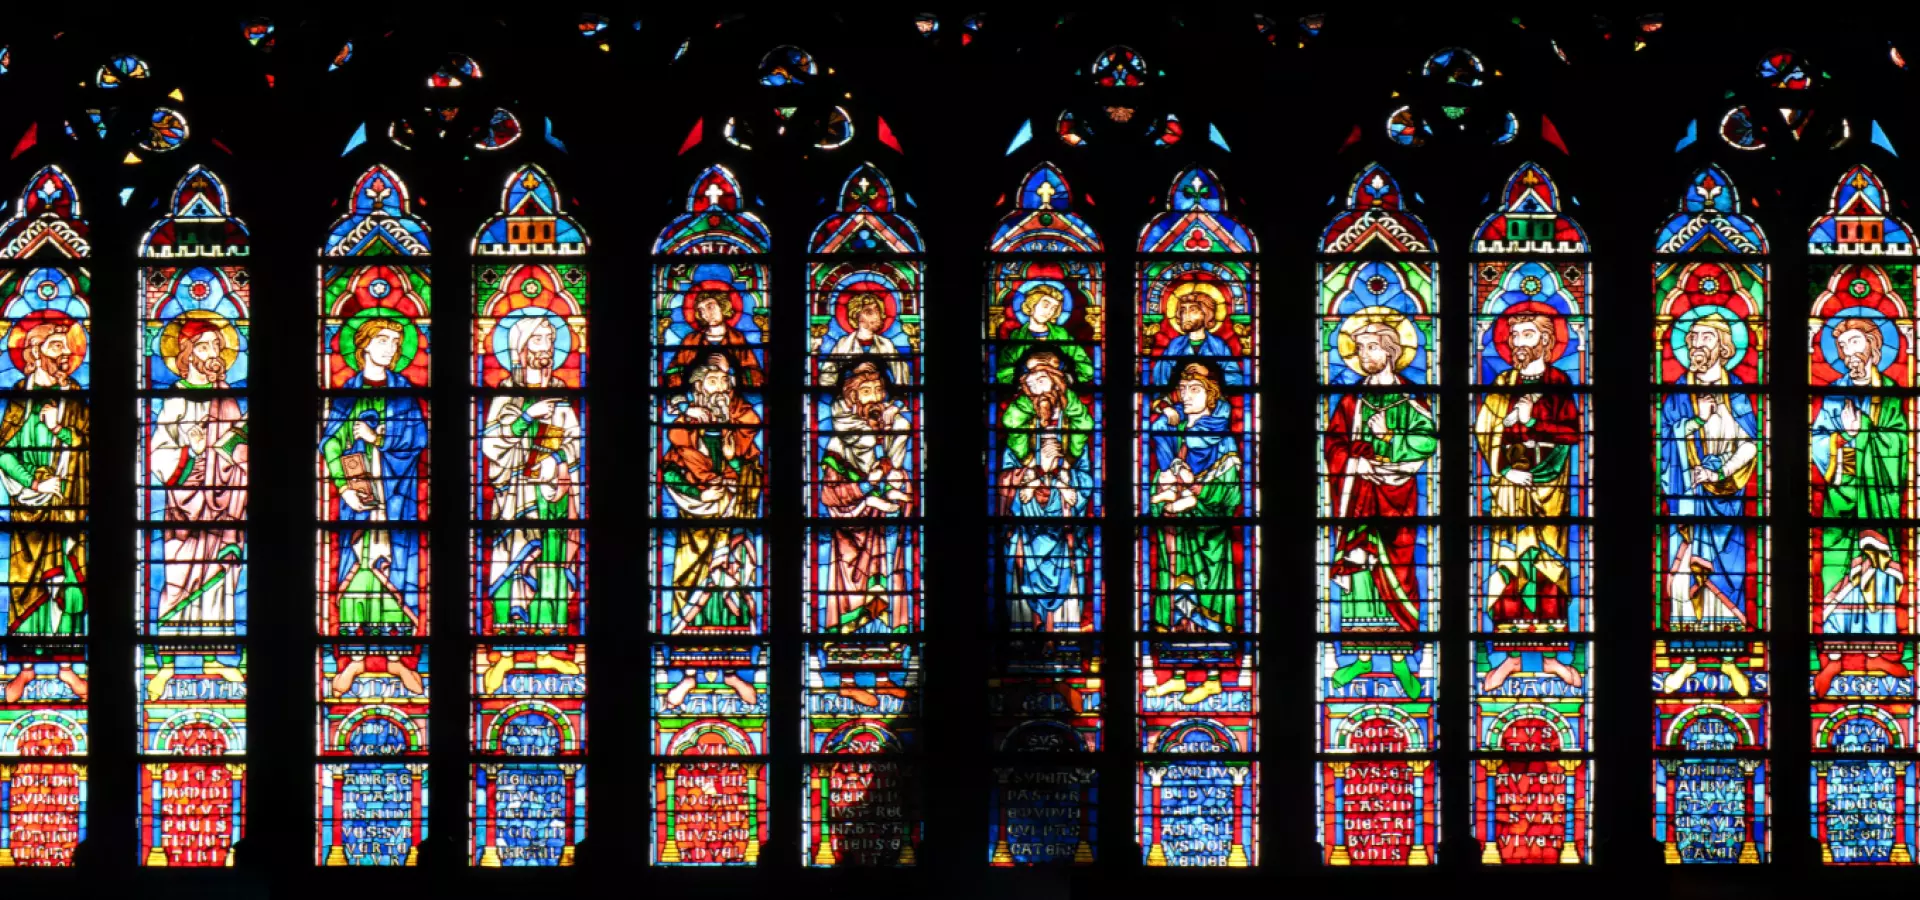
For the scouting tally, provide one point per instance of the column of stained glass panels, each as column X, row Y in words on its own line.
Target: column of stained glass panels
column 44, row 489
column 1377, row 546
column 1044, row 363
column 708, row 551
column 1196, row 558
column 865, row 571
column 371, row 667
column 1860, row 357
column 527, row 728
column 193, row 480
column 1710, row 676
column 1531, row 542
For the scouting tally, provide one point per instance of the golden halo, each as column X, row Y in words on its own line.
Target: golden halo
column 1378, row 315
column 1221, row 306
column 170, row 338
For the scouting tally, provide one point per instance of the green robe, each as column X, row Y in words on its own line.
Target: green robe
column 1079, row 363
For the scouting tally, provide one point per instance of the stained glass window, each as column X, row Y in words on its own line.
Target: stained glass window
column 1710, row 669
column 44, row 468
column 1860, row 361
column 195, row 361
column 1530, row 575
column 1376, row 323
column 1044, row 362
column 864, row 587
column 709, row 581
column 373, row 568
column 1196, row 558
column 528, row 428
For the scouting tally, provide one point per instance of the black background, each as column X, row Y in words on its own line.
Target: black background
column 624, row 113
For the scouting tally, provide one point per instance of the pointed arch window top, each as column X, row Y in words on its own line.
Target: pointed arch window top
column 1858, row 224
column 381, row 222
column 714, row 221
column 1529, row 219
column 46, row 219
column 1709, row 220
column 530, row 221
column 865, row 221
column 198, row 222
column 1375, row 218
column 1196, row 220
column 1044, row 221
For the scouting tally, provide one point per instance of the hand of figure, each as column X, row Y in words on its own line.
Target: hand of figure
column 1049, row 455
column 539, row 409
column 1850, row 417
column 366, row 432
column 1519, row 476
column 1523, row 409
column 883, row 505
column 1703, row 475
column 1377, row 423
column 355, row 500
column 196, row 439
column 50, row 416
column 48, row 486
column 697, row 414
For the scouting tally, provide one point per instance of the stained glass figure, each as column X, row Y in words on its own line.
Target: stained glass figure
column 1043, row 336
column 373, row 572
column 1860, row 364
column 864, row 572
column 193, row 487
column 1532, row 546
column 1196, row 414
column 1711, row 694
column 709, row 576
column 45, row 490
column 1378, row 547
column 529, row 360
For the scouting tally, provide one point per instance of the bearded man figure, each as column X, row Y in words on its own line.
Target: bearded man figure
column 532, row 447
column 1709, row 453
column 1196, row 318
column 198, row 454
column 866, row 473
column 1376, row 447
column 1860, row 443
column 44, row 479
column 713, row 470
column 1526, row 438
column 1045, row 473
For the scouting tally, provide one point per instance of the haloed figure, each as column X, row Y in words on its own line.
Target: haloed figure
column 1045, row 474
column 199, row 452
column 44, row 478
column 532, row 446
column 1527, row 440
column 1196, row 473
column 867, row 474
